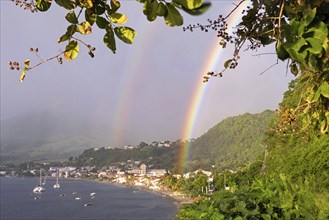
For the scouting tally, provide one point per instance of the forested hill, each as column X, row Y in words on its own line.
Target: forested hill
column 234, row 142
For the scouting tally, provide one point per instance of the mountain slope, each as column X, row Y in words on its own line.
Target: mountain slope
column 234, row 142
column 48, row 135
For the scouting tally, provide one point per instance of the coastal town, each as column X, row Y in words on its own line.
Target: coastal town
column 129, row 173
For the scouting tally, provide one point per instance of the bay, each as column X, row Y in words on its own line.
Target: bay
column 18, row 202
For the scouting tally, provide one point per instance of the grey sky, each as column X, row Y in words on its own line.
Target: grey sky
column 145, row 89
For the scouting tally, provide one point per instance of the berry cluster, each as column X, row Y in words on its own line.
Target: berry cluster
column 91, row 50
column 14, row 65
column 219, row 25
column 27, row 5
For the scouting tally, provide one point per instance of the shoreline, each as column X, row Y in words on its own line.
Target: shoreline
column 177, row 197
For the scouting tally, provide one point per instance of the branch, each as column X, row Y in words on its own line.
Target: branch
column 44, row 61
column 236, row 7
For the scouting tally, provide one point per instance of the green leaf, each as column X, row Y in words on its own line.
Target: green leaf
column 150, row 9
column 198, row 11
column 281, row 52
column 324, row 126
column 227, row 63
column 294, row 50
column 102, row 22
column 294, row 69
column 115, row 5
column 126, row 34
column 324, row 89
column 118, row 18
column 43, row 5
column 71, row 50
column 84, row 28
column 69, row 5
column 173, row 17
column 90, row 16
column 309, row 16
column 189, row 4
column 69, row 32
column 315, row 45
column 71, row 17
column 319, row 32
column 109, row 39
column 99, row 10
column 162, row 9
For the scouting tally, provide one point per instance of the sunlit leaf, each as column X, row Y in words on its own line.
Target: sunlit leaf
column 198, row 11
column 22, row 76
column 319, row 31
column 324, row 89
column 84, row 28
column 189, row 4
column 71, row 50
column 43, row 5
column 118, row 18
column 109, row 39
column 27, row 63
column 173, row 17
column 126, row 34
column 86, row 3
column 324, row 126
column 67, row 4
column 315, row 45
column 71, row 17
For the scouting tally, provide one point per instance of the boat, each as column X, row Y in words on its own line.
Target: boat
column 56, row 185
column 38, row 188
column 92, row 194
column 88, row 204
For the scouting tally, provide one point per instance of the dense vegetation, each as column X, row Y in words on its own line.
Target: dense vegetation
column 233, row 143
column 290, row 182
column 157, row 157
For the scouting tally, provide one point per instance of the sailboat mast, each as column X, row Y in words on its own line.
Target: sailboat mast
column 40, row 176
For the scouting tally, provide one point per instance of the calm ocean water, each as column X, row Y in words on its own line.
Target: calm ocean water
column 18, row 202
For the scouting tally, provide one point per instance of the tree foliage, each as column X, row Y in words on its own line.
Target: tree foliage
column 85, row 15
column 234, row 142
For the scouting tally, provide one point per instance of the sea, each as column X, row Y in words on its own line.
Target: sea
column 80, row 199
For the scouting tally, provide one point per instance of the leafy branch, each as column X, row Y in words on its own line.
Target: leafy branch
column 105, row 14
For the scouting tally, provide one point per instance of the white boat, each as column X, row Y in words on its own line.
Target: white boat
column 38, row 188
column 56, row 185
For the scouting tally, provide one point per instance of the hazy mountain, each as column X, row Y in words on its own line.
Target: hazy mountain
column 49, row 135
column 235, row 141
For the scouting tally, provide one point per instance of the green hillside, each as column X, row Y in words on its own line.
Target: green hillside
column 289, row 181
column 234, row 142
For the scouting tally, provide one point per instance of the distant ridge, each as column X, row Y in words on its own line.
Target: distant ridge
column 48, row 135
